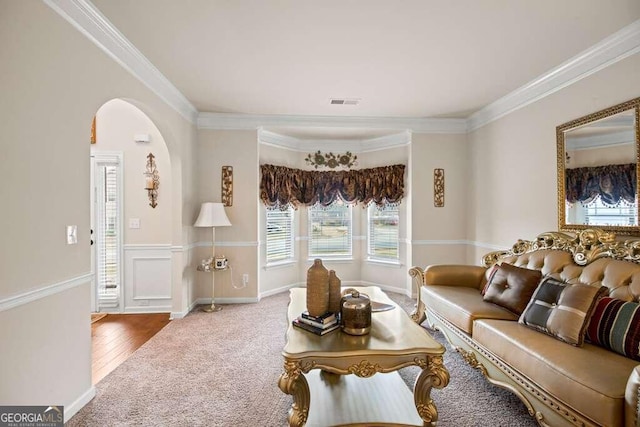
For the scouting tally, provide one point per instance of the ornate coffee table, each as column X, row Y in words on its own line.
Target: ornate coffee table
column 339, row 398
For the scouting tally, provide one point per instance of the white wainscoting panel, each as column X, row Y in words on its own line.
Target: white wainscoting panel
column 147, row 278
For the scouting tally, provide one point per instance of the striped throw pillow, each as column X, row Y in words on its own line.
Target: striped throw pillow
column 615, row 325
column 562, row 310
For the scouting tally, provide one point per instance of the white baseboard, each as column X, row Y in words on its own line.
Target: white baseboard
column 181, row 314
column 73, row 408
column 148, row 309
column 280, row 289
column 243, row 300
column 285, row 288
column 387, row 288
column 345, row 284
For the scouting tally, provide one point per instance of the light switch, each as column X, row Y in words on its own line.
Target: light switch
column 72, row 234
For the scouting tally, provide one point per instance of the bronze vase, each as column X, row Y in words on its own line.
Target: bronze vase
column 334, row 292
column 317, row 289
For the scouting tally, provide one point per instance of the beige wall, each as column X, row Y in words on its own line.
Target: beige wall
column 438, row 234
column 239, row 243
column 53, row 80
column 117, row 122
column 513, row 160
column 615, row 155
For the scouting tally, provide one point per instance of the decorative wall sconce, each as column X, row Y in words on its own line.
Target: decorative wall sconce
column 227, row 185
column 152, row 180
column 438, row 188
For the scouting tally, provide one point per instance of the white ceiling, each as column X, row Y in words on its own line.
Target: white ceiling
column 409, row 58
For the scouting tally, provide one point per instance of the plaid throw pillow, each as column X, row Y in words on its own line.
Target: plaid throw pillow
column 615, row 325
column 562, row 310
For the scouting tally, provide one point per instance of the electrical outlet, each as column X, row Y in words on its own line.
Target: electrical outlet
column 245, row 279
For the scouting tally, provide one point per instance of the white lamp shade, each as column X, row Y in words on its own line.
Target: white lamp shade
column 212, row 215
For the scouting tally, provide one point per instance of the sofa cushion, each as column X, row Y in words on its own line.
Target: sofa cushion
column 562, row 310
column 615, row 325
column 574, row 374
column 511, row 287
column 461, row 305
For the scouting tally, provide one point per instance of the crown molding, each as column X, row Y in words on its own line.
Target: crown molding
column 87, row 19
column 600, row 141
column 221, row 121
column 616, row 47
column 354, row 145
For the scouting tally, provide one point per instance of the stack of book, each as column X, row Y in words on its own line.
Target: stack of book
column 318, row 325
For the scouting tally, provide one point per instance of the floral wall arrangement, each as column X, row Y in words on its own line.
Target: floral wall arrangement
column 331, row 160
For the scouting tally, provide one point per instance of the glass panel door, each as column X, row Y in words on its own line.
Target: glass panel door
column 107, row 233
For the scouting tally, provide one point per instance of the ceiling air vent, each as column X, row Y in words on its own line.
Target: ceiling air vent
column 344, row 101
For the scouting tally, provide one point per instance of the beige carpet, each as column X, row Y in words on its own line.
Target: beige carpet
column 222, row 369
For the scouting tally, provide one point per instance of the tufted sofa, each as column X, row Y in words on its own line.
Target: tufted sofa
column 560, row 383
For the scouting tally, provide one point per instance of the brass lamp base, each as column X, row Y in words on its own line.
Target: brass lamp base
column 213, row 308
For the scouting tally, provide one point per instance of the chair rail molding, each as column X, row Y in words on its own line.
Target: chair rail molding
column 44, row 291
column 458, row 242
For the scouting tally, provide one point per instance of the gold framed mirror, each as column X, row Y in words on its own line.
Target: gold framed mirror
column 598, row 170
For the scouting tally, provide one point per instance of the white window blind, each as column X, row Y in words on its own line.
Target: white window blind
column 597, row 213
column 279, row 235
column 383, row 232
column 330, row 234
column 108, row 233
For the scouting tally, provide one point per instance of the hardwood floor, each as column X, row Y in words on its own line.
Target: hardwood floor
column 115, row 337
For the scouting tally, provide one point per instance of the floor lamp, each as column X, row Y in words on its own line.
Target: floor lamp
column 212, row 215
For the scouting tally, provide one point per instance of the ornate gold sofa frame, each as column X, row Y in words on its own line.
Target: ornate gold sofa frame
column 591, row 256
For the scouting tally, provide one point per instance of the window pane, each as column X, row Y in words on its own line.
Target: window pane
column 597, row 213
column 383, row 224
column 279, row 235
column 330, row 230
column 107, row 238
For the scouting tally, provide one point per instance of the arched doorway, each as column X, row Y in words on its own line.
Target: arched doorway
column 131, row 229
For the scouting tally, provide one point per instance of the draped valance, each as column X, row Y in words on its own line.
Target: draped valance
column 281, row 186
column 613, row 183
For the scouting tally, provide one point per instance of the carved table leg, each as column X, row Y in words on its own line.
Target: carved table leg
column 433, row 374
column 418, row 315
column 294, row 383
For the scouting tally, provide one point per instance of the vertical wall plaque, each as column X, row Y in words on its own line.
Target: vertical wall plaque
column 93, row 130
column 438, row 188
column 227, row 185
